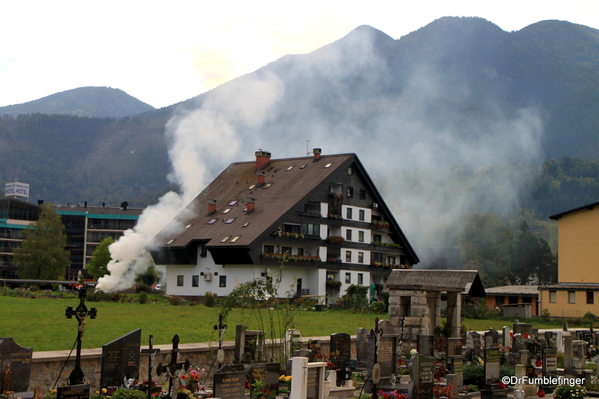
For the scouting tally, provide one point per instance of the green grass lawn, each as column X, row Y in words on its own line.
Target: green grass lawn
column 40, row 323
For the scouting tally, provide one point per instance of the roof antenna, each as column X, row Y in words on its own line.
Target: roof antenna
column 308, row 147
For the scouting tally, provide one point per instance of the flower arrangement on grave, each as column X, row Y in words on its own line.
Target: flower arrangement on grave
column 569, row 392
column 155, row 389
column 326, row 357
column 443, row 391
column 285, row 379
column 391, row 395
column 191, row 378
column 261, row 390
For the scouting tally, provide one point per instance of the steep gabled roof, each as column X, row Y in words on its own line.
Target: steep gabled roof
column 288, row 182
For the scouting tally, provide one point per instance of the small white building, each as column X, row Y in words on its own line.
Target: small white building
column 322, row 214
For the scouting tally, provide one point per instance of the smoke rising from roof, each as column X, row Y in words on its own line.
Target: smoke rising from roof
column 435, row 143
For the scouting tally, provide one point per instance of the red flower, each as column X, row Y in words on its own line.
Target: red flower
column 183, row 377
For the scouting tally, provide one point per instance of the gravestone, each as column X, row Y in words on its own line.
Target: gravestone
column 120, row 359
column 304, row 353
column 491, row 338
column 506, row 338
column 249, row 345
column 18, row 360
column 362, row 344
column 267, row 372
column 492, row 362
column 229, row 385
column 473, row 342
column 425, row 345
column 550, row 337
column 422, row 381
column 387, row 349
column 307, row 379
column 549, row 361
column 523, row 328
column 455, row 366
column 81, row 391
column 454, row 347
column 340, row 346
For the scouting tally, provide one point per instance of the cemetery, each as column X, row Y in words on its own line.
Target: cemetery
column 395, row 357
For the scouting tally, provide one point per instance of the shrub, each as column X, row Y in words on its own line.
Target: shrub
column 98, row 296
column 175, row 300
column 210, row 299
column 129, row 394
column 378, row 307
column 589, row 316
column 142, row 297
column 569, row 392
column 143, row 287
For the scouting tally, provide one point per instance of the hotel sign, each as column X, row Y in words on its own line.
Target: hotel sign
column 16, row 189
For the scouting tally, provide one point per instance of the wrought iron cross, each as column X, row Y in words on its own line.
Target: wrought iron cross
column 81, row 313
column 173, row 366
column 151, row 351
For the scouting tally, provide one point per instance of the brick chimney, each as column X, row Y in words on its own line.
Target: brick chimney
column 262, row 159
column 250, row 205
column 261, row 177
column 211, row 206
column 316, row 152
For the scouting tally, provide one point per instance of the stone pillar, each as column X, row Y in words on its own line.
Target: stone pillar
column 454, row 311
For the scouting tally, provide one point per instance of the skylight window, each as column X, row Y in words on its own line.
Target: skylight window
column 229, row 221
column 234, row 239
column 303, row 166
column 253, row 186
column 328, row 165
column 225, row 239
column 246, row 224
column 232, row 203
column 188, row 226
column 170, row 242
column 212, row 221
column 227, row 210
column 289, row 168
column 267, row 185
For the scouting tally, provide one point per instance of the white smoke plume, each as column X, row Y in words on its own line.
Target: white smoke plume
column 200, row 141
column 422, row 161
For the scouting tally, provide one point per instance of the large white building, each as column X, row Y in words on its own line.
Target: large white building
column 323, row 214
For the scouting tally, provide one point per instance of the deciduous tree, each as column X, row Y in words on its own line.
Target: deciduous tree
column 42, row 254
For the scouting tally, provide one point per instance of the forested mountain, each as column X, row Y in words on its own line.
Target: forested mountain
column 84, row 101
column 454, row 118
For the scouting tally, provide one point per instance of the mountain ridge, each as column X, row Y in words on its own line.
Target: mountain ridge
column 85, row 101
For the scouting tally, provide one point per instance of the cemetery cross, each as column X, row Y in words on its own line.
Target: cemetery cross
column 376, row 333
column 80, row 313
column 173, row 366
column 221, row 328
column 151, row 351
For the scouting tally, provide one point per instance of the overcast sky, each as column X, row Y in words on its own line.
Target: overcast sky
column 166, row 52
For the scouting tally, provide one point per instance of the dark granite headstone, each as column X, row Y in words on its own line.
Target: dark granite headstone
column 425, row 344
column 267, row 372
column 120, row 359
column 362, row 344
column 340, row 349
column 249, row 345
column 229, row 385
column 73, row 392
column 304, row 353
column 522, row 328
column 422, row 381
column 491, row 338
column 18, row 359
